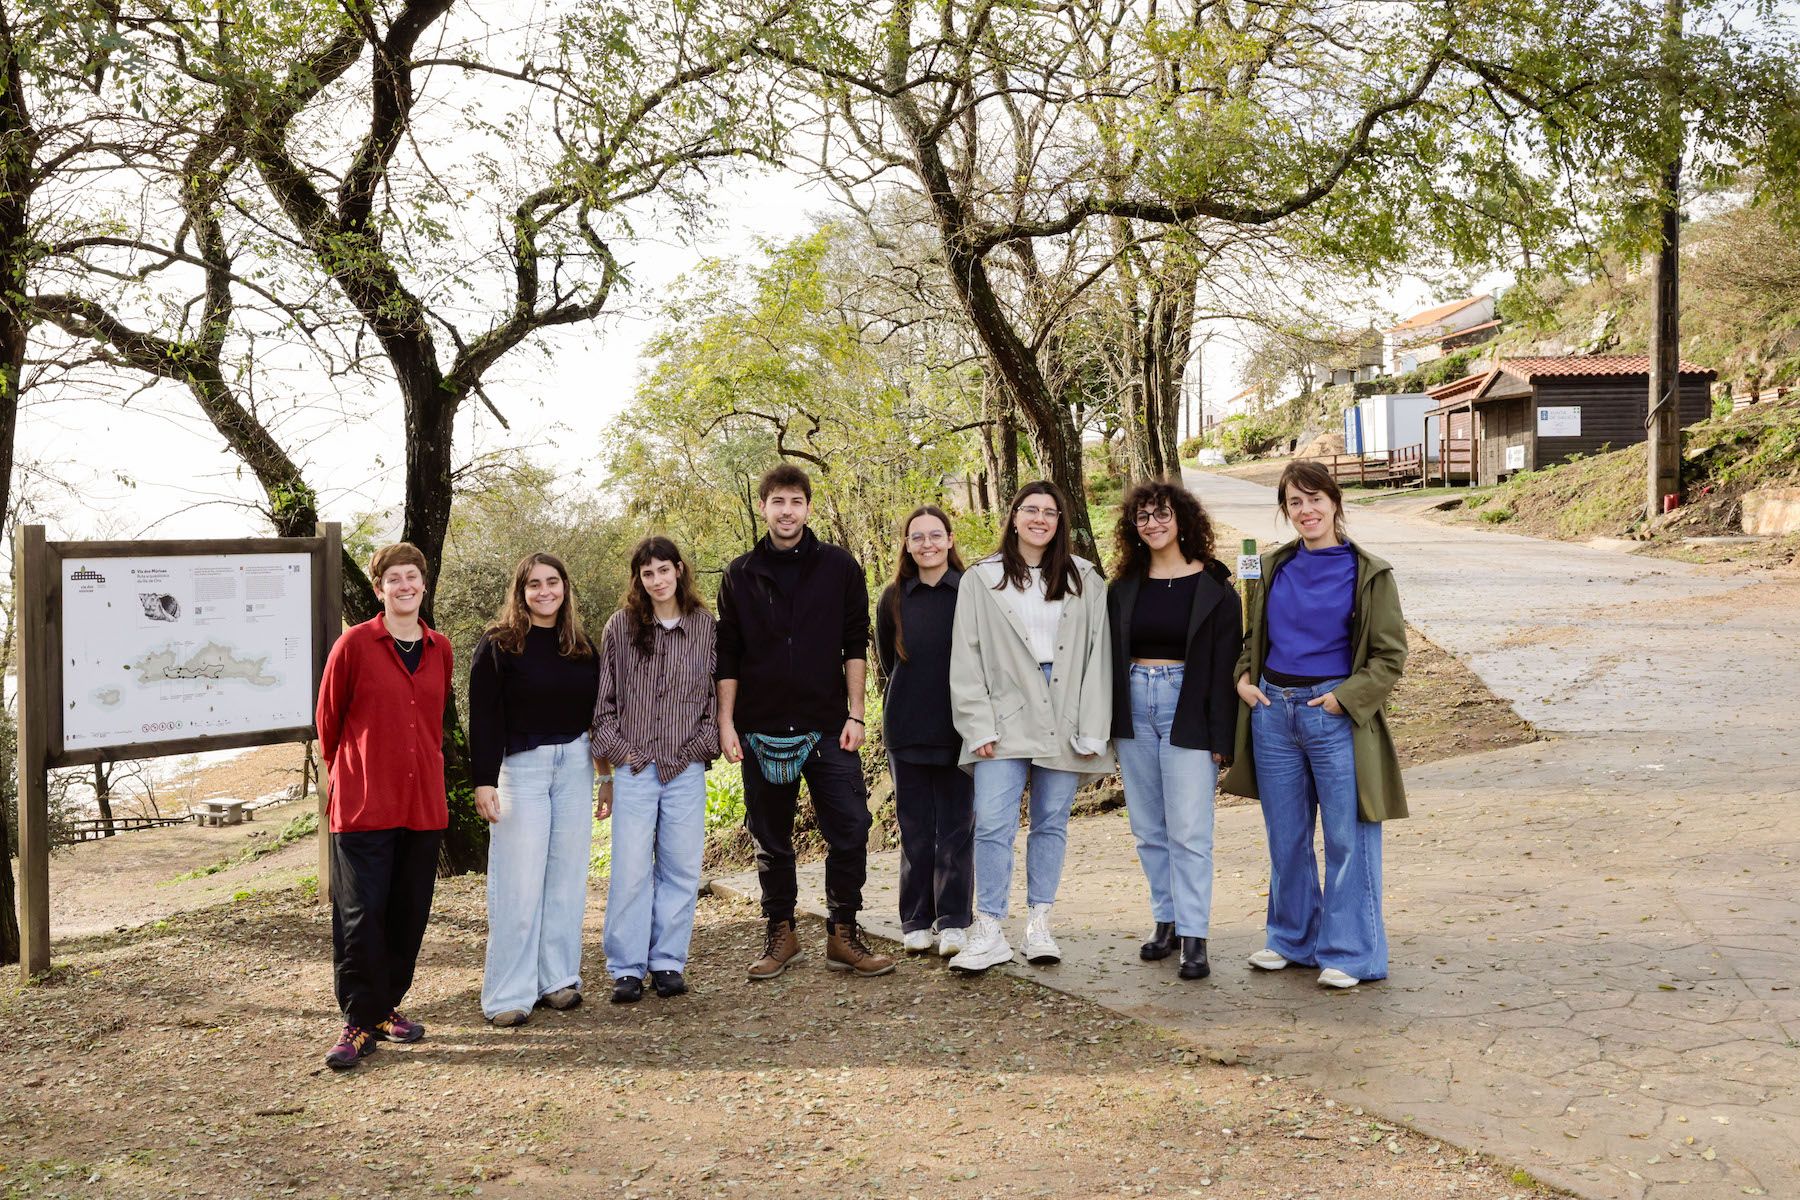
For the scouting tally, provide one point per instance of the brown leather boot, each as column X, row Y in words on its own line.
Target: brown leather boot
column 845, row 951
column 781, row 948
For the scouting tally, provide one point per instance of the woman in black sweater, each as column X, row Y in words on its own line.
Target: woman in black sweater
column 1177, row 628
column 532, row 688
column 933, row 796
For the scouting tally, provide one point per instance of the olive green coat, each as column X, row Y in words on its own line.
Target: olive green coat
column 1377, row 656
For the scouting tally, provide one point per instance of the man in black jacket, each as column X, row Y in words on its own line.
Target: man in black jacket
column 793, row 642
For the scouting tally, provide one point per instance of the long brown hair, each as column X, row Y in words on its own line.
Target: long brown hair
column 1061, row 575
column 514, row 620
column 908, row 569
column 1193, row 528
column 636, row 600
column 1309, row 476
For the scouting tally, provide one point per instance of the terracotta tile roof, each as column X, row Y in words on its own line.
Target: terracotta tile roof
column 1433, row 315
column 1527, row 369
column 1457, row 387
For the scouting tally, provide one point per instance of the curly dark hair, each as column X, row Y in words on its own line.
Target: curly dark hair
column 636, row 600
column 1193, row 528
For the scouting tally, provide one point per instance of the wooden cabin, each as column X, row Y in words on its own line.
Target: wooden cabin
column 1529, row 413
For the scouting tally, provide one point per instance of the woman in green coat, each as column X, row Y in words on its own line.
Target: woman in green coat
column 1325, row 644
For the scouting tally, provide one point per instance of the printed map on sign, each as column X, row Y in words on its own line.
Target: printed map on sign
column 159, row 649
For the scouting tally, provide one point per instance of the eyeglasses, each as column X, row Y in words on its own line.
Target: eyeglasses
column 936, row 537
column 1033, row 511
column 1158, row 516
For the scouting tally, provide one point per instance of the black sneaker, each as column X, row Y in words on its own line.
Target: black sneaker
column 668, row 983
column 627, row 989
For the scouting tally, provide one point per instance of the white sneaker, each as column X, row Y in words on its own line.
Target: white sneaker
column 1267, row 960
column 1040, row 947
column 987, row 947
column 1332, row 977
column 951, row 941
column 916, row 941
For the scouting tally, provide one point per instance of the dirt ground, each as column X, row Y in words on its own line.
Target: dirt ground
column 184, row 1059
column 1266, row 471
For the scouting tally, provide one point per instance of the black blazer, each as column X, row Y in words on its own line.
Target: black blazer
column 1206, row 713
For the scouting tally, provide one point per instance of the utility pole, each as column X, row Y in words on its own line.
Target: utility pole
column 1662, row 423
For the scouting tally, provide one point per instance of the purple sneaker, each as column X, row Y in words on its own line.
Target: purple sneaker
column 398, row 1029
column 355, row 1045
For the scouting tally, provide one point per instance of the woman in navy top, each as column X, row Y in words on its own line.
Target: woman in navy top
column 934, row 798
column 531, row 698
column 1327, row 643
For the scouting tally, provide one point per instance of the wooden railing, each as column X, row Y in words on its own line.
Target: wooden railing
column 1385, row 468
column 89, row 829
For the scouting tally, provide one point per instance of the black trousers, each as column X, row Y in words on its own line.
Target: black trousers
column 840, row 801
column 381, row 886
column 936, row 807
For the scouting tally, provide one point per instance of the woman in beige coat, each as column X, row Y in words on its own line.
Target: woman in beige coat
column 1031, row 694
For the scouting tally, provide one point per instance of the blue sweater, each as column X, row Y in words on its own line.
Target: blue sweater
column 1310, row 603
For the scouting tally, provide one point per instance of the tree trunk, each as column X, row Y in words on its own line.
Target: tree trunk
column 103, row 798
column 18, row 146
column 1663, row 417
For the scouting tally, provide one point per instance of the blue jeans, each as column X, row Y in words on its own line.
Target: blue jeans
column 538, row 854
column 1169, row 796
column 999, row 784
column 1305, row 766
column 658, row 840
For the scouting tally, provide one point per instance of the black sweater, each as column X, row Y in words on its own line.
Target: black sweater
column 1206, row 712
column 916, row 720
column 521, row 701
column 787, row 647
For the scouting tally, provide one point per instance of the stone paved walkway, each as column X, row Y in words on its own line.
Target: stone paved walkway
column 1595, row 940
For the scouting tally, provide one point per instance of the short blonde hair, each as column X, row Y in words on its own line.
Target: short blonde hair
column 399, row 554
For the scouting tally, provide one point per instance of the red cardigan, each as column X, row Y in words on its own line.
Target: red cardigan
column 381, row 729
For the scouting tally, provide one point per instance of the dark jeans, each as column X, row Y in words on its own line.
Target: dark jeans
column 936, row 808
column 381, row 885
column 833, row 778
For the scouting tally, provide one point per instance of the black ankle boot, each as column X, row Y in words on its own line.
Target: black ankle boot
column 1160, row 944
column 1193, row 959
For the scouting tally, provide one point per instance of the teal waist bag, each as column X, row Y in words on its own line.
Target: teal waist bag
column 780, row 758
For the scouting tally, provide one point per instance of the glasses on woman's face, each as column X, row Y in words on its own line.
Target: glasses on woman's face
column 1153, row 516
column 1033, row 511
column 936, row 537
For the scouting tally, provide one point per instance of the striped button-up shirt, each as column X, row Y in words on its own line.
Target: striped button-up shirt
column 658, row 707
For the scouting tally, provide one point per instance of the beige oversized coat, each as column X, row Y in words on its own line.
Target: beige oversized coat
column 997, row 689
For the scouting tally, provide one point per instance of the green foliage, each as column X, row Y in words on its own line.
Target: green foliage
column 1104, row 475
column 1497, row 516
column 1248, row 435
column 1191, row 447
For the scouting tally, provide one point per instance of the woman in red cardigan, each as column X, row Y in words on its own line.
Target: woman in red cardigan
column 381, row 730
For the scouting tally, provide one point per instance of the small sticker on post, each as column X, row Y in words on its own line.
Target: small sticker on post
column 1249, row 566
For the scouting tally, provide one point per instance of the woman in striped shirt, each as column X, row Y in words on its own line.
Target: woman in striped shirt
column 656, row 721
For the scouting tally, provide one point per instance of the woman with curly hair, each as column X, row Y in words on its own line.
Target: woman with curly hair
column 531, row 696
column 657, row 722
column 1177, row 628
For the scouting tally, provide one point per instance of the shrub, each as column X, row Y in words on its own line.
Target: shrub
column 1190, row 449
column 1248, row 435
column 1496, row 516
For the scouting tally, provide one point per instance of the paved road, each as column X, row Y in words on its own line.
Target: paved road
column 1595, row 939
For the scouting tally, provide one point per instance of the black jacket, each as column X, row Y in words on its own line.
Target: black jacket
column 1206, row 713
column 787, row 653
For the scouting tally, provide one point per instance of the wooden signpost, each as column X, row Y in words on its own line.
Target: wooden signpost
column 152, row 648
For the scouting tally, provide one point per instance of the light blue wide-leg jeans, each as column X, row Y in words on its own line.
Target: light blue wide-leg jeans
column 658, row 841
column 1306, row 769
column 538, row 854
column 999, row 784
column 1169, row 798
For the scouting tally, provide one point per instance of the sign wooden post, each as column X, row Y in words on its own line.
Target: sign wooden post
column 174, row 604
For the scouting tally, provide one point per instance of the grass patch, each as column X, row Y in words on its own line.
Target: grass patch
column 302, row 826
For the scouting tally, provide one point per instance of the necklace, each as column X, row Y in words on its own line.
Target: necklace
column 407, row 647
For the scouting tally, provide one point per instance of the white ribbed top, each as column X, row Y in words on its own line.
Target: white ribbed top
column 1039, row 616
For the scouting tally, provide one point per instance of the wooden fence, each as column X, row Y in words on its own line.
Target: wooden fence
column 1404, row 466
column 90, row 829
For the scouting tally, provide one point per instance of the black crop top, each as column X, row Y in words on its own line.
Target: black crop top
column 1159, row 622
